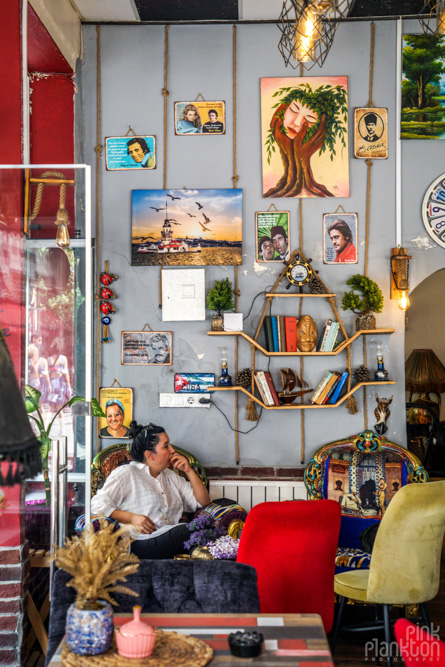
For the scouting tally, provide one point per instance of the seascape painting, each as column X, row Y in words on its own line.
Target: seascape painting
column 186, row 227
column 304, row 133
column 423, row 87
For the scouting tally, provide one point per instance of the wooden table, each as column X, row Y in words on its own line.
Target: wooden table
column 289, row 639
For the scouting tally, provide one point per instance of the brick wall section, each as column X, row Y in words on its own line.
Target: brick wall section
column 14, row 575
column 266, row 473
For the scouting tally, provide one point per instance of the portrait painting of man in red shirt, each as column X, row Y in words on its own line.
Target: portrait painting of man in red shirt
column 341, row 238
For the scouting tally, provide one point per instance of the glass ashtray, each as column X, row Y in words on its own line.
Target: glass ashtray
column 245, row 644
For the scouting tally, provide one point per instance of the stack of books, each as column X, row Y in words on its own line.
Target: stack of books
column 266, row 387
column 280, row 333
column 329, row 388
column 328, row 336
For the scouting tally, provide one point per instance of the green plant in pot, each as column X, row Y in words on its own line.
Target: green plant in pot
column 32, row 402
column 369, row 300
column 97, row 561
column 220, row 298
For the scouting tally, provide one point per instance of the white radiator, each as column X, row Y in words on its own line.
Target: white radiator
column 250, row 493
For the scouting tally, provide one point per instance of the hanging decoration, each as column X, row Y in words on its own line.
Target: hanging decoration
column 200, row 117
column 106, row 295
column 371, row 133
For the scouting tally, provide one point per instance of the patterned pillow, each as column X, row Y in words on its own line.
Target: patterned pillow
column 223, row 511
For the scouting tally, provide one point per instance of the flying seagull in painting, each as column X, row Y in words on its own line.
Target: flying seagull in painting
column 143, row 238
column 206, row 229
column 206, row 219
column 173, row 196
column 192, row 216
column 173, row 221
column 200, row 206
column 157, row 209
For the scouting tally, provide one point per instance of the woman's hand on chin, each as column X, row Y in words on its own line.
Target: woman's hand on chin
column 143, row 523
column 179, row 462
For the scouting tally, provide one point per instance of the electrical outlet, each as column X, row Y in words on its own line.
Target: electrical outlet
column 183, row 400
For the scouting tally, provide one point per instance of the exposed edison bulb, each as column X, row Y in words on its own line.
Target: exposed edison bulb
column 62, row 234
column 404, row 302
column 304, row 35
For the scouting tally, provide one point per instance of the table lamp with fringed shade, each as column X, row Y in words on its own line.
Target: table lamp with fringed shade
column 19, row 448
column 424, row 373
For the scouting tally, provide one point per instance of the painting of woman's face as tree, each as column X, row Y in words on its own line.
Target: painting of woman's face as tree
column 304, row 125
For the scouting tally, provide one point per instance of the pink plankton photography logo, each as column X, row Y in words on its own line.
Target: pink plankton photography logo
column 415, row 645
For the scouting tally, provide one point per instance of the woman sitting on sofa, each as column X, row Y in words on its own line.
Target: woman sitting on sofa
column 149, row 496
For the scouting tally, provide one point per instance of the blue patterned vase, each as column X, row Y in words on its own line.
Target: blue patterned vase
column 89, row 631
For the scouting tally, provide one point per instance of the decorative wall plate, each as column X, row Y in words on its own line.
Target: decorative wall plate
column 433, row 210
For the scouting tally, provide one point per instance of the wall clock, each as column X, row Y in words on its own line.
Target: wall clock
column 433, row 210
column 298, row 272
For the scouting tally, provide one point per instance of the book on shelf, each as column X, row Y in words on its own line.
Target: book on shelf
column 332, row 337
column 324, row 392
column 279, row 333
column 276, row 345
column 338, row 389
column 324, row 335
column 321, row 385
column 282, row 333
column 264, row 390
column 273, row 391
column 330, row 389
column 268, row 333
column 290, row 325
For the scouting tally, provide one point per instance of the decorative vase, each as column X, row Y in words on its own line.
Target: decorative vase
column 135, row 639
column 218, row 322
column 365, row 321
column 201, row 553
column 89, row 631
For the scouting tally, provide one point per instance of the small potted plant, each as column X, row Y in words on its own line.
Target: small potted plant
column 220, row 298
column 369, row 301
column 96, row 560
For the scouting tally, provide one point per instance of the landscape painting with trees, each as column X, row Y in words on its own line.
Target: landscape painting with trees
column 304, row 131
column 423, row 87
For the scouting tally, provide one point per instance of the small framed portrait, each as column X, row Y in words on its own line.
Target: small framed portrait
column 130, row 153
column 371, row 133
column 200, row 117
column 340, row 238
column 272, row 236
column 146, row 348
column 117, row 403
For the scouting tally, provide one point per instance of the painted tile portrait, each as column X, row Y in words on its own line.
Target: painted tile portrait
column 304, row 134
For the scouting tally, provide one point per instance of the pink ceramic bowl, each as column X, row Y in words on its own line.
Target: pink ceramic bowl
column 137, row 646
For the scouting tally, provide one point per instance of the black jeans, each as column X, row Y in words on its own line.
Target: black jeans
column 166, row 545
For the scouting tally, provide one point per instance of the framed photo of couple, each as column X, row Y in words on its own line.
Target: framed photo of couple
column 272, row 236
column 340, row 238
column 200, row 117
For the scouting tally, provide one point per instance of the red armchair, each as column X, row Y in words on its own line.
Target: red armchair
column 292, row 547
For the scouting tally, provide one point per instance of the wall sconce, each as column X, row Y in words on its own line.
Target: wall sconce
column 62, row 220
column 399, row 277
column 308, row 28
column 432, row 17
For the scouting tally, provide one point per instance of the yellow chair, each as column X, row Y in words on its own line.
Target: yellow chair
column 119, row 454
column 405, row 562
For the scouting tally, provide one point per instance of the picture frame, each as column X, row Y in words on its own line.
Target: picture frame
column 130, row 152
column 371, row 133
column 146, row 348
column 340, row 244
column 200, row 117
column 266, row 249
column 193, row 383
column 117, row 403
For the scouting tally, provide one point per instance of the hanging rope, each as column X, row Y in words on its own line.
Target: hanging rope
column 371, row 67
column 300, row 211
column 98, row 254
column 39, row 193
column 235, row 176
column 164, row 173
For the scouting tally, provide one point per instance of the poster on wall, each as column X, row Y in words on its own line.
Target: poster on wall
column 130, row 153
column 304, row 136
column 272, row 236
column 117, row 403
column 186, row 227
column 340, row 238
column 146, row 348
column 423, row 103
column 371, row 133
column 200, row 117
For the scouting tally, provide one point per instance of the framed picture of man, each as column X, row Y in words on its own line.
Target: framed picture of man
column 340, row 238
column 272, row 236
column 371, row 133
column 117, row 403
column 146, row 348
column 130, row 152
column 200, row 117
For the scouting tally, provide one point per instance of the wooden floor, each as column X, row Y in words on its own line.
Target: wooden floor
column 350, row 651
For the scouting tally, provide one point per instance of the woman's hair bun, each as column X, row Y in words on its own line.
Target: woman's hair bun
column 135, row 429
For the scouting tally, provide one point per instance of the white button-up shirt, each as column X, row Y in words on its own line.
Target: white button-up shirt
column 132, row 488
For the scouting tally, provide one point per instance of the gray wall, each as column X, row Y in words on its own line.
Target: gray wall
column 200, row 61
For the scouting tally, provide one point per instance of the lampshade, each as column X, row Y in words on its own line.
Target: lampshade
column 18, row 444
column 424, row 372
